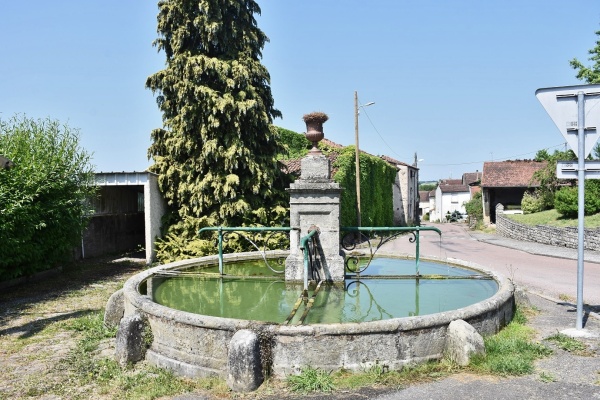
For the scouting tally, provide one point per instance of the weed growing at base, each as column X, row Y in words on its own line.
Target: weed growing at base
column 311, row 380
column 511, row 351
column 569, row 344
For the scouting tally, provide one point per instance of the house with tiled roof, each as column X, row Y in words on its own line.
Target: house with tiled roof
column 450, row 196
column 505, row 182
column 405, row 190
column 473, row 180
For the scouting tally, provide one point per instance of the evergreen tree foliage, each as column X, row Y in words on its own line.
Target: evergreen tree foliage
column 216, row 154
column 43, row 196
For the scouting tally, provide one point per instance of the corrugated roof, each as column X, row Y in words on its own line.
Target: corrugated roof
column 515, row 173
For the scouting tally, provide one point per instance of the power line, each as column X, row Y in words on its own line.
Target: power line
column 454, row 164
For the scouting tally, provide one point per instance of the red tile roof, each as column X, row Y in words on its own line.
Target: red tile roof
column 471, row 177
column 516, row 173
column 395, row 162
column 454, row 188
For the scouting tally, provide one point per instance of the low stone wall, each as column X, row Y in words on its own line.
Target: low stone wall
column 563, row 237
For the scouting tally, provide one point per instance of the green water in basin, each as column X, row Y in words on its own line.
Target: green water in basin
column 387, row 289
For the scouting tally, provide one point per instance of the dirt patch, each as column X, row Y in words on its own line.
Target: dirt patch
column 34, row 340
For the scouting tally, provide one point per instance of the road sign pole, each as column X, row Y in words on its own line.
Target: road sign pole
column 581, row 204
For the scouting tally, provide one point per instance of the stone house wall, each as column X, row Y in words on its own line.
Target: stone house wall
column 563, row 237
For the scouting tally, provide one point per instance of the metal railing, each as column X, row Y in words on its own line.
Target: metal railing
column 374, row 238
column 222, row 231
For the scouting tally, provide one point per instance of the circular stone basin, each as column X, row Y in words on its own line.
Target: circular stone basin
column 389, row 288
column 192, row 344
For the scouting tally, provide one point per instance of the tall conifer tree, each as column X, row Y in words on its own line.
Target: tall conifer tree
column 216, row 153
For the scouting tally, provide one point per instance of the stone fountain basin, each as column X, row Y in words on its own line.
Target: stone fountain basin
column 195, row 345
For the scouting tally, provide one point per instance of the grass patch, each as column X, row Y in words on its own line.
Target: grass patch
column 511, row 351
column 553, row 218
column 311, row 380
column 379, row 375
column 569, row 344
column 106, row 376
column 566, row 298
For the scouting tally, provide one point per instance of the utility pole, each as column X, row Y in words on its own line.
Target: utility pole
column 357, row 151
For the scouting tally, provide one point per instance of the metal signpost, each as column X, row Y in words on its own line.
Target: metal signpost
column 576, row 112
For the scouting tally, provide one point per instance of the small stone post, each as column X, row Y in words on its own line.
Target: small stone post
column 315, row 200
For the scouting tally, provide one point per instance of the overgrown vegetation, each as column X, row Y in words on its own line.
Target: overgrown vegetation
column 43, row 198
column 296, row 145
column 376, row 185
column 377, row 180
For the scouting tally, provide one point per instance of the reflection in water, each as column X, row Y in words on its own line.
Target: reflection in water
column 386, row 293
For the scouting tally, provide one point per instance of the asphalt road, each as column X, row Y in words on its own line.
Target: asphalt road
column 547, row 270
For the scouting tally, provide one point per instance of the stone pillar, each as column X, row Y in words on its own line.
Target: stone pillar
column 315, row 200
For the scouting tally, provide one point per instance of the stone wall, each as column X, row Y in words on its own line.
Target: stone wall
column 562, row 237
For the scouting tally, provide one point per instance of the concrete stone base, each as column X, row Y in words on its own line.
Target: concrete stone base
column 462, row 343
column 198, row 345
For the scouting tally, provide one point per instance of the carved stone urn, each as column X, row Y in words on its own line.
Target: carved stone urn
column 314, row 129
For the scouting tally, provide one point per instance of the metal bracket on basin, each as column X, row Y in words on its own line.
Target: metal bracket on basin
column 372, row 238
column 253, row 235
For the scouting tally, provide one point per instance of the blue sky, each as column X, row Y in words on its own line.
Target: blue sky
column 453, row 81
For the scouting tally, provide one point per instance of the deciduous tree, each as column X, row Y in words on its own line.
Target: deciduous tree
column 589, row 74
column 43, row 196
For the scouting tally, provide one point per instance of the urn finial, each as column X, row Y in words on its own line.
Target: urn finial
column 314, row 129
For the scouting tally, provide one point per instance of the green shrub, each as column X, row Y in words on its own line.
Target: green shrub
column 474, row 207
column 532, row 203
column 566, row 200
column 43, row 197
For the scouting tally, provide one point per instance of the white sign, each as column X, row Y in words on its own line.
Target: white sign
column 561, row 104
column 569, row 169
